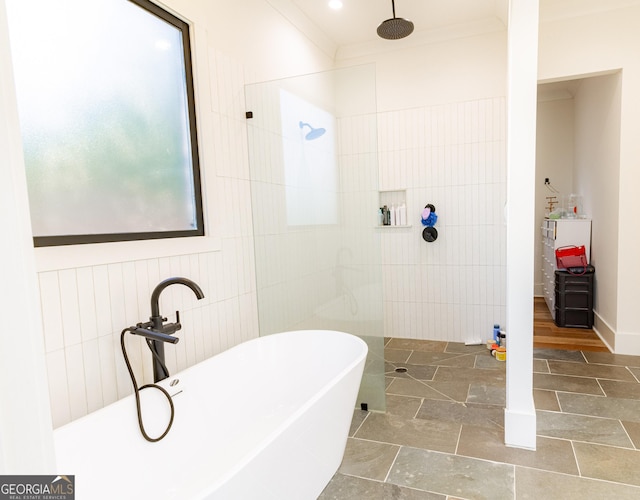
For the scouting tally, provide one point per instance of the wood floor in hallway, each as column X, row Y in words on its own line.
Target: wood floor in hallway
column 547, row 335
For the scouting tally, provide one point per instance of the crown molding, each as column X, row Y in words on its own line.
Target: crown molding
column 305, row 26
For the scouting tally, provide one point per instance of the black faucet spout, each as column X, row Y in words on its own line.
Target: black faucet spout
column 155, row 296
column 164, row 331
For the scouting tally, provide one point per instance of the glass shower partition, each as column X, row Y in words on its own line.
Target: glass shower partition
column 314, row 192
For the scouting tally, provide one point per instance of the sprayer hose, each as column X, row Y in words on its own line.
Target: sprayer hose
column 137, row 390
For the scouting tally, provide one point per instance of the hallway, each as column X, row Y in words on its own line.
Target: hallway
column 547, row 335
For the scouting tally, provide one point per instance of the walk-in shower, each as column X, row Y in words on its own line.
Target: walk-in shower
column 314, row 194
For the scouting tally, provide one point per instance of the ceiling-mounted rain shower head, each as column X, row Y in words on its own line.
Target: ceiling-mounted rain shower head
column 396, row 27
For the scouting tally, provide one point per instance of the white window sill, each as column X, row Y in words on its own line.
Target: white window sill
column 95, row 254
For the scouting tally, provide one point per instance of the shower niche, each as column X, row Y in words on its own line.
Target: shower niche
column 395, row 202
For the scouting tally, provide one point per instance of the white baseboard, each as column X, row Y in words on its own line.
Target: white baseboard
column 627, row 343
column 520, row 429
column 618, row 342
column 604, row 331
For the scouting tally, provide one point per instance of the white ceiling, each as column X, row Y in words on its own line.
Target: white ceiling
column 554, row 91
column 351, row 31
column 357, row 21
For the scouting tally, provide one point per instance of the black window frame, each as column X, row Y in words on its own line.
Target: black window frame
column 78, row 239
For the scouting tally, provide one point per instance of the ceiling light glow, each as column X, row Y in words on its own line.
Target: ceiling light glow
column 335, row 4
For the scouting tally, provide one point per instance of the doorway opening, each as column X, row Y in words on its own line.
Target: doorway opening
column 578, row 153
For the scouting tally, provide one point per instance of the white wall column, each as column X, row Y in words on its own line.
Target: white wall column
column 26, row 436
column 520, row 415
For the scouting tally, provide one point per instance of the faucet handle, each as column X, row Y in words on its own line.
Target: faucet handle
column 171, row 328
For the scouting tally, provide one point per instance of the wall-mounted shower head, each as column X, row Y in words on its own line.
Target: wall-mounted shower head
column 313, row 133
column 396, row 27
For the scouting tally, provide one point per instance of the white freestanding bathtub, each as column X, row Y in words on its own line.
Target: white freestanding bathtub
column 265, row 420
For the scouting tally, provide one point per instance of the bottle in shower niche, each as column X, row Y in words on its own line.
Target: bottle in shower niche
column 402, row 215
column 385, row 216
column 393, row 215
column 380, row 216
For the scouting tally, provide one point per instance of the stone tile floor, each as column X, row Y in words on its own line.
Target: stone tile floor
column 442, row 434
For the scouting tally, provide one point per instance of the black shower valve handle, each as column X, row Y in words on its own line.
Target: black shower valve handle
column 177, row 325
column 172, row 328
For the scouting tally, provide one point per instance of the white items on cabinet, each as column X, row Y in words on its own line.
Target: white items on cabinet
column 558, row 233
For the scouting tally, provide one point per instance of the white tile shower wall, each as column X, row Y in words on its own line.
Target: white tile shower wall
column 85, row 308
column 452, row 156
column 298, row 286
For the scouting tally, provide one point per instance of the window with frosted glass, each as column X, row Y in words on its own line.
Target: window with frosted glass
column 105, row 97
